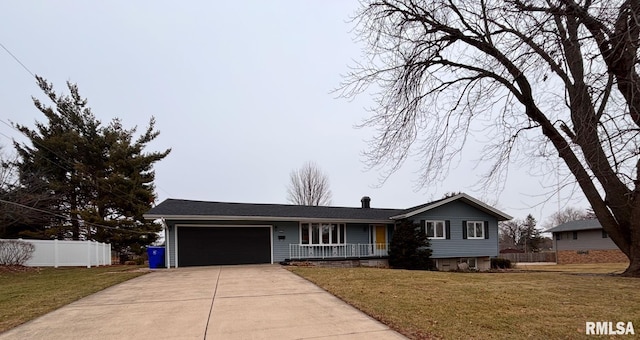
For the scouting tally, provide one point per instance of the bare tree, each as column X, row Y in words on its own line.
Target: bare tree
column 309, row 186
column 520, row 234
column 538, row 78
column 565, row 215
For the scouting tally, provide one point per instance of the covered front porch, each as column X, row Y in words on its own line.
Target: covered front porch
column 338, row 251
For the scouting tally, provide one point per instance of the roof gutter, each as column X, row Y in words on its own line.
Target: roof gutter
column 263, row 218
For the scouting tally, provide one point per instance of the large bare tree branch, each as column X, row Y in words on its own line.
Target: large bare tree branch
column 565, row 68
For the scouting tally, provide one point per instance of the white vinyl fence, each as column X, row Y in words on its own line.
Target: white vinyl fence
column 55, row 253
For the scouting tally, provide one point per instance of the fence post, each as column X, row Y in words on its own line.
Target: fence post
column 55, row 253
column 88, row 254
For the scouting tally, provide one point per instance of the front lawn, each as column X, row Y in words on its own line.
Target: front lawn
column 589, row 268
column 31, row 292
column 506, row 305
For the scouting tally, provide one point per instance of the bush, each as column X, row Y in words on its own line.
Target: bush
column 409, row 248
column 15, row 252
column 500, row 263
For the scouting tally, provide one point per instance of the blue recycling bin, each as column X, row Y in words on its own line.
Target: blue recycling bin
column 156, row 257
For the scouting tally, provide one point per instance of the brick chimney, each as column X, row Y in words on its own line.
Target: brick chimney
column 366, row 202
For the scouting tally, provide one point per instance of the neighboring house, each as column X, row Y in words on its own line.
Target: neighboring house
column 460, row 228
column 584, row 241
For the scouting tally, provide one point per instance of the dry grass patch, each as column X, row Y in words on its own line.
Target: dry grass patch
column 29, row 293
column 587, row 268
column 510, row 305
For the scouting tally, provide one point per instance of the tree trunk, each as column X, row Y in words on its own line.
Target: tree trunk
column 634, row 265
column 633, row 251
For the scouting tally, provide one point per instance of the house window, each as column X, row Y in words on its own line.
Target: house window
column 558, row 236
column 575, row 235
column 604, row 234
column 472, row 262
column 435, row 229
column 304, row 233
column 322, row 233
column 475, row 229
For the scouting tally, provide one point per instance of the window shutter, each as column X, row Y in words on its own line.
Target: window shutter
column 464, row 230
column 422, row 227
column 447, row 229
column 486, row 229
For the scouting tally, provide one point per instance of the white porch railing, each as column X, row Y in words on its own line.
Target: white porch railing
column 328, row 251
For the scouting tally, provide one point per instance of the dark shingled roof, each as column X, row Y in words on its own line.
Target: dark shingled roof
column 418, row 207
column 406, row 213
column 183, row 208
column 576, row 225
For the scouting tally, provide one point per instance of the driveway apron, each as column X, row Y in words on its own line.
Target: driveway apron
column 228, row 302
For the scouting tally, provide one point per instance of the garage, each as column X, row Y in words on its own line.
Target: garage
column 220, row 245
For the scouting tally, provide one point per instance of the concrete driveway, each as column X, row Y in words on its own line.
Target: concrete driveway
column 228, row 302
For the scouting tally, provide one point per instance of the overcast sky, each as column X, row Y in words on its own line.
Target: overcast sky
column 241, row 91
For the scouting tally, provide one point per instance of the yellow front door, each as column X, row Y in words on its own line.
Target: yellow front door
column 381, row 236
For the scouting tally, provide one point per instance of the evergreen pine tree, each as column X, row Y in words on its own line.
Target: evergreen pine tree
column 100, row 176
column 409, row 247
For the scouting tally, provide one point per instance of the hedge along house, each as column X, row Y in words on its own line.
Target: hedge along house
column 461, row 229
column 584, row 241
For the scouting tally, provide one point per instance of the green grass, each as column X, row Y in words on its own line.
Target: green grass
column 505, row 305
column 25, row 295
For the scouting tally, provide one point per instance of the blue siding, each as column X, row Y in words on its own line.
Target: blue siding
column 291, row 232
column 456, row 212
column 357, row 233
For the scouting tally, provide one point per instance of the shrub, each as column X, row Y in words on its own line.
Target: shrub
column 409, row 248
column 15, row 252
column 500, row 263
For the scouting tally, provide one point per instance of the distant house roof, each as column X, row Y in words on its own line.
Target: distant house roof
column 576, row 225
column 202, row 210
column 178, row 209
column 462, row 197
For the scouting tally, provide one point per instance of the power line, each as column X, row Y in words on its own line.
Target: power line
column 17, row 60
column 66, row 218
column 40, row 144
column 70, row 165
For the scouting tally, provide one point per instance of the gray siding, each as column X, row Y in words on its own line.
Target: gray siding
column 587, row 240
column 456, row 212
